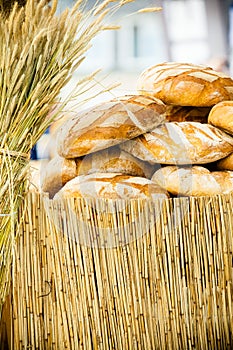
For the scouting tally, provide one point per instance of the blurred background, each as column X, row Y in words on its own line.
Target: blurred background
column 196, row 31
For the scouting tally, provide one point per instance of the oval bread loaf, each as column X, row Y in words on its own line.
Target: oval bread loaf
column 111, row 186
column 181, row 143
column 185, row 84
column 56, row 174
column 221, row 116
column 109, row 124
column 193, row 181
column 114, row 160
column 225, row 163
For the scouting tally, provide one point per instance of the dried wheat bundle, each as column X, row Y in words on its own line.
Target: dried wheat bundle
column 39, row 52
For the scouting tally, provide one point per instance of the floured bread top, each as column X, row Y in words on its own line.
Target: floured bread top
column 181, row 143
column 185, row 84
column 108, row 124
column 111, row 186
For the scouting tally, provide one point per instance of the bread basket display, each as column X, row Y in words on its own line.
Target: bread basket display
column 129, row 243
column 126, row 240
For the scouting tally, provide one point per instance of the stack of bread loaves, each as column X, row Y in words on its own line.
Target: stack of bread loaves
column 90, row 162
column 173, row 138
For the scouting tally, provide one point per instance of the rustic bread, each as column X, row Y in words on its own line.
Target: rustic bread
column 114, row 160
column 224, row 179
column 60, row 170
column 225, row 163
column 108, row 124
column 56, row 174
column 111, row 186
column 221, row 116
column 36, row 168
column 181, row 143
column 185, row 84
column 187, row 114
column 193, row 181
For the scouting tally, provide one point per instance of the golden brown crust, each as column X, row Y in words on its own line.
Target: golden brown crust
column 181, row 143
column 193, row 181
column 114, row 160
column 56, row 174
column 187, row 114
column 225, row 163
column 185, row 84
column 111, row 186
column 108, row 124
column 221, row 116
column 225, row 180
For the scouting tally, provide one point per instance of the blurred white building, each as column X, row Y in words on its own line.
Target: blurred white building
column 185, row 30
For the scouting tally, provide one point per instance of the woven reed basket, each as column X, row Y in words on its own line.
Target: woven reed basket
column 123, row 274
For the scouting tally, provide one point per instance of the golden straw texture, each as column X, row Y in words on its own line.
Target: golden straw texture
column 159, row 275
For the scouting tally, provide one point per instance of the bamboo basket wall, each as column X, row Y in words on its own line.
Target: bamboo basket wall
column 124, row 275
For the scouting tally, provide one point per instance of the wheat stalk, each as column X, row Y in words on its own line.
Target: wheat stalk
column 40, row 50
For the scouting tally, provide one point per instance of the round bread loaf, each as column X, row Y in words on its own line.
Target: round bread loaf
column 181, row 143
column 109, row 124
column 185, row 84
column 114, row 160
column 187, row 114
column 56, row 174
column 111, row 186
column 225, row 163
column 193, row 181
column 221, row 116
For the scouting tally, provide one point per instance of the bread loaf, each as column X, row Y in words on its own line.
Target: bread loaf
column 225, row 163
column 221, row 116
column 185, row 84
column 187, row 114
column 108, row 124
column 60, row 170
column 181, row 143
column 114, row 160
column 111, row 186
column 193, row 181
column 225, row 180
column 56, row 174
